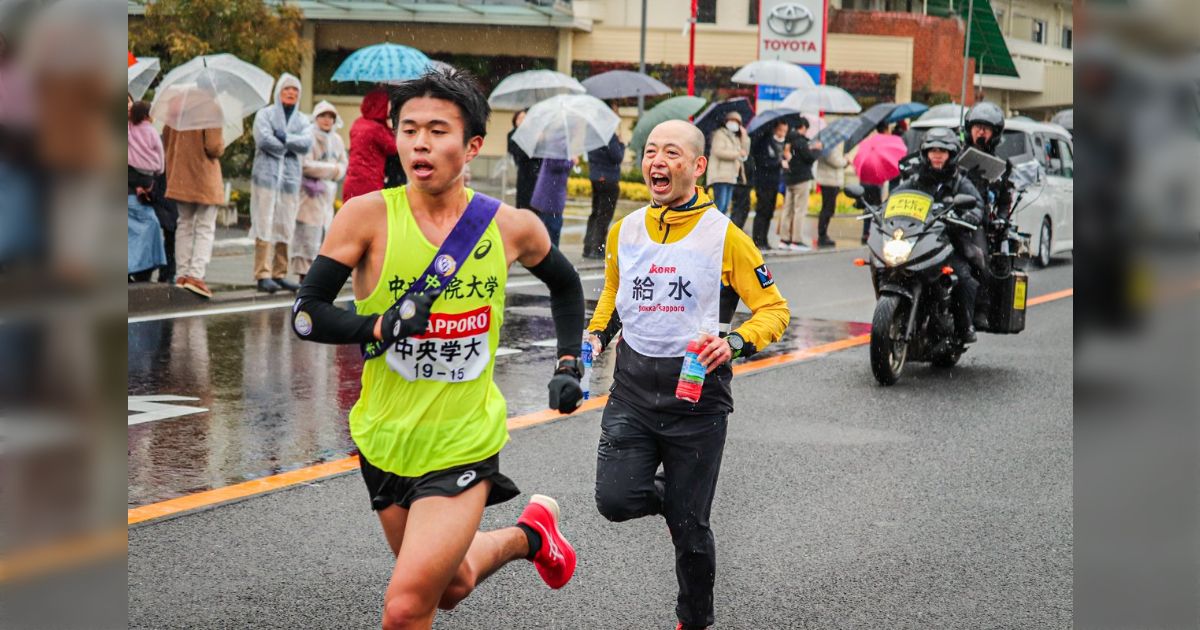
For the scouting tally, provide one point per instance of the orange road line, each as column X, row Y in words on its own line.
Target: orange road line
column 271, row 483
column 1050, row 297
column 241, row 490
column 64, row 554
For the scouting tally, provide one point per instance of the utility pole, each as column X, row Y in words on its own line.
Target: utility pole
column 966, row 58
column 692, row 54
column 642, row 60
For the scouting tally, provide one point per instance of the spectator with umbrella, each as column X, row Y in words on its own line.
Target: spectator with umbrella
column 372, row 142
column 876, row 162
column 766, row 149
column 196, row 186
column 282, row 135
column 527, row 167
column 604, row 171
column 798, row 156
column 830, row 175
column 557, row 130
column 145, row 161
column 726, row 160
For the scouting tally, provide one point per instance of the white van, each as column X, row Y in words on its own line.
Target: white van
column 1047, row 209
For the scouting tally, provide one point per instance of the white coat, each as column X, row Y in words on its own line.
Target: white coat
column 275, row 177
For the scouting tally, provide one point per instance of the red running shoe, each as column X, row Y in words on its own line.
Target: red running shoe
column 555, row 561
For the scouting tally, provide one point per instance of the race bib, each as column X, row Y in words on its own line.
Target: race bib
column 913, row 205
column 453, row 350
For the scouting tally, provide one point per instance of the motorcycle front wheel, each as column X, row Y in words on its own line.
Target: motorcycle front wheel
column 888, row 348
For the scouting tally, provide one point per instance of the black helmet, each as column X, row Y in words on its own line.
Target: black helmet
column 985, row 113
column 940, row 138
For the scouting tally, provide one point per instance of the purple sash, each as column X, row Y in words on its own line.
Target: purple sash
column 449, row 258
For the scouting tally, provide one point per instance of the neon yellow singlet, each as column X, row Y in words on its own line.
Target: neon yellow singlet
column 430, row 403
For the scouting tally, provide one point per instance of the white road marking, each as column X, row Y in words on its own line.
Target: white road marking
column 152, row 408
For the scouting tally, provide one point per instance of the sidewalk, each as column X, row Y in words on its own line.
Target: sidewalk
column 231, row 278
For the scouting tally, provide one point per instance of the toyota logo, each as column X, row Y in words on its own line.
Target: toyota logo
column 790, row 20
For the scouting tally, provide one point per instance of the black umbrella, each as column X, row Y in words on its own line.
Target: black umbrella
column 710, row 119
column 766, row 120
column 869, row 120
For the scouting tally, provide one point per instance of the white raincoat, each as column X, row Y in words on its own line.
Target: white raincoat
column 275, row 178
column 324, row 166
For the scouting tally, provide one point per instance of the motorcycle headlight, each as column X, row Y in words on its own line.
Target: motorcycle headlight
column 897, row 251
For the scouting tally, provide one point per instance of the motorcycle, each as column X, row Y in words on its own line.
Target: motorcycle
column 909, row 244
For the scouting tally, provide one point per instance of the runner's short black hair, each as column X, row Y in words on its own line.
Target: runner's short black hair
column 450, row 84
column 802, row 123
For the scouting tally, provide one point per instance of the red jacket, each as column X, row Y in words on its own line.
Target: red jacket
column 371, row 142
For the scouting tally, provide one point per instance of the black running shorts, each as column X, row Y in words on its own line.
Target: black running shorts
column 387, row 489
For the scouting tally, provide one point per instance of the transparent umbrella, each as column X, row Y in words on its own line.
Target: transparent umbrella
column 211, row 91
column 771, row 72
column 624, row 84
column 822, row 98
column 141, row 75
column 565, row 126
column 945, row 110
column 524, row 89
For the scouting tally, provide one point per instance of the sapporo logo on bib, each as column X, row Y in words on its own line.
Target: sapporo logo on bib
column 454, row 348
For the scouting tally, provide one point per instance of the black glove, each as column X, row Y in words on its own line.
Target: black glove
column 565, row 392
column 409, row 317
column 281, row 135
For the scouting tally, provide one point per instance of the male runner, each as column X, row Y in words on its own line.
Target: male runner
column 673, row 270
column 430, row 422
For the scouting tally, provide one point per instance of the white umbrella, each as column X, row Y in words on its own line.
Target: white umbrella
column 524, row 89
column 565, row 126
column 945, row 110
column 771, row 72
column 141, row 75
column 822, row 98
column 211, row 91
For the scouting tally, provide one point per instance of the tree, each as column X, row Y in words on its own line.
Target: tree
column 267, row 36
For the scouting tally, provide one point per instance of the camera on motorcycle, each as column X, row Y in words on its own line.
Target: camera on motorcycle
column 963, row 202
column 854, row 191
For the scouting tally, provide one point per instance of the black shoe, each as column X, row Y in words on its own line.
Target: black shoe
column 764, row 247
column 968, row 335
column 826, row 243
column 286, row 284
column 981, row 319
column 267, row 285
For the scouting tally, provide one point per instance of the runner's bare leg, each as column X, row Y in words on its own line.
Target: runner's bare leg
column 427, row 575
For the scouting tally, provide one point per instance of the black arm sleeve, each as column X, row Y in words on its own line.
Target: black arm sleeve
column 315, row 318
column 566, row 300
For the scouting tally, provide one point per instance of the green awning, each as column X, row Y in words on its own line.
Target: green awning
column 987, row 42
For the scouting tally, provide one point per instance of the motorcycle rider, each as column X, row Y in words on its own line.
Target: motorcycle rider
column 938, row 175
column 984, row 129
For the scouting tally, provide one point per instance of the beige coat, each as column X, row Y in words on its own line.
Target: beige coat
column 831, row 168
column 725, row 165
column 327, row 162
column 193, row 165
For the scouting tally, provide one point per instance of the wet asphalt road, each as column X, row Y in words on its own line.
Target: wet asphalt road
column 942, row 502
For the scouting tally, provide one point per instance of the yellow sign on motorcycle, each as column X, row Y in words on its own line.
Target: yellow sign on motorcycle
column 911, row 204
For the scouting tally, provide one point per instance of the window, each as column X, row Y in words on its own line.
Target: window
column 1062, row 162
column 1039, row 31
column 1012, row 146
column 706, row 12
column 753, row 21
column 1068, row 38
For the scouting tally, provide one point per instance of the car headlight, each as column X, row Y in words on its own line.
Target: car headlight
column 897, row 251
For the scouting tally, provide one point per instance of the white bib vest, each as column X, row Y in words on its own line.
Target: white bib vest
column 669, row 292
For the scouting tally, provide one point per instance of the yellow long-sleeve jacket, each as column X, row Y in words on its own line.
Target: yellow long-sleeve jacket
column 743, row 271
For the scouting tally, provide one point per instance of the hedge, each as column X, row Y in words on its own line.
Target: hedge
column 581, row 187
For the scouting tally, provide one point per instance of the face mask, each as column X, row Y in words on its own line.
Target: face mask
column 732, row 126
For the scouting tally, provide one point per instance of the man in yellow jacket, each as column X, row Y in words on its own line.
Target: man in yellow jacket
column 674, row 271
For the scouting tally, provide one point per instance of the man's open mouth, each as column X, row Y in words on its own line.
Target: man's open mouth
column 660, row 183
column 421, row 168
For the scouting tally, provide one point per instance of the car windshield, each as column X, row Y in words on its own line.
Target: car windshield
column 1012, row 145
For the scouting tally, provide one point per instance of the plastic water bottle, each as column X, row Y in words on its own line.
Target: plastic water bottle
column 691, row 375
column 585, row 357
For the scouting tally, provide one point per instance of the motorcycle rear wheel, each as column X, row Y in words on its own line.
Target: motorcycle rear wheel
column 888, row 350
